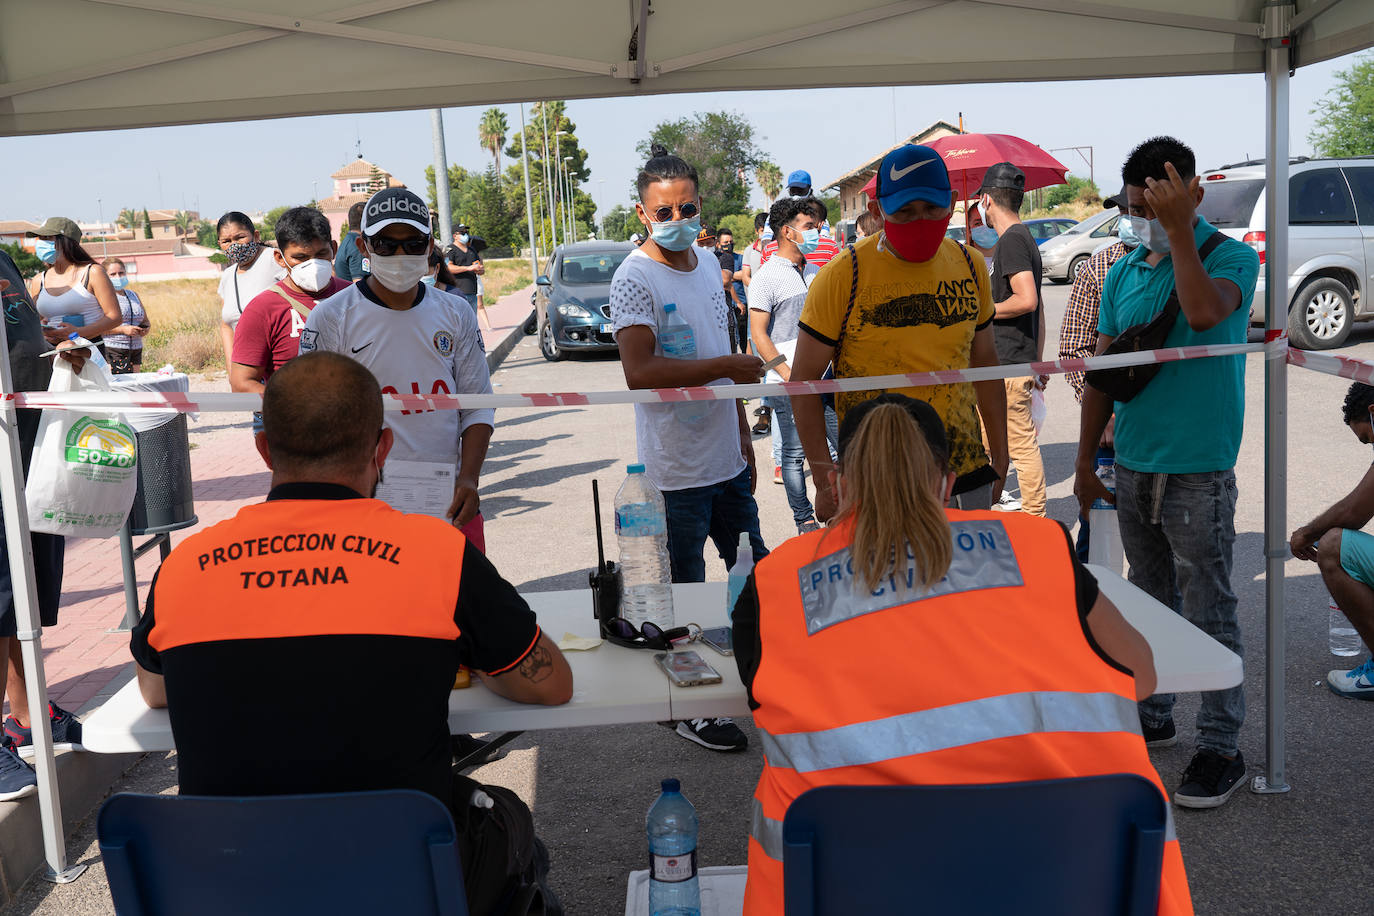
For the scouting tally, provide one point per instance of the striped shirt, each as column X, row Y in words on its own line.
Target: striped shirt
column 1078, row 333
column 825, row 250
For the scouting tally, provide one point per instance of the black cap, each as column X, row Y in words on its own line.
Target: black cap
column 1117, row 201
column 1003, row 175
column 926, row 417
column 461, row 227
column 394, row 205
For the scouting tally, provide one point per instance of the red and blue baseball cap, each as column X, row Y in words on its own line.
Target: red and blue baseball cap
column 912, row 172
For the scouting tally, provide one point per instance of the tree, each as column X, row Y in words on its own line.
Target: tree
column 206, row 234
column 129, row 219
column 484, row 209
column 491, row 131
column 267, row 228
column 769, row 177
column 26, row 261
column 457, row 179
column 184, row 221
column 375, row 181
column 1345, row 115
column 741, row 226
column 1075, row 188
column 619, row 223
column 147, row 224
column 547, row 119
column 720, row 144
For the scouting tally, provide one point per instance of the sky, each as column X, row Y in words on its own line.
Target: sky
column 257, row 165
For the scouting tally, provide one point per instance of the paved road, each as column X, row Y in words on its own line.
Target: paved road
column 1302, row 852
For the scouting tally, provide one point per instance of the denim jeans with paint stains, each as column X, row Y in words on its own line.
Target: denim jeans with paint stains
column 1178, row 532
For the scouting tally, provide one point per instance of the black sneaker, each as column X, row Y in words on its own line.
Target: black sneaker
column 1210, row 779
column 1159, row 735
column 474, row 752
column 720, row 734
column 66, row 732
column 17, row 778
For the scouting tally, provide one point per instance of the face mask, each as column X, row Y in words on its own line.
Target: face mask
column 917, row 240
column 727, row 246
column 241, row 253
column 399, row 272
column 983, row 236
column 1127, row 231
column 464, row 238
column 810, row 239
column 675, row 234
column 430, row 280
column 46, row 250
column 119, row 282
column 312, row 275
column 1154, row 237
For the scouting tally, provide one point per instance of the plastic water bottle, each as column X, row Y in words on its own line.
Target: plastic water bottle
column 679, row 341
column 641, row 528
column 95, row 357
column 672, row 828
column 739, row 573
column 1343, row 638
column 1106, row 472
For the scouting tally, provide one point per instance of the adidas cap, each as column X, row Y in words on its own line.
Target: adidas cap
column 394, row 205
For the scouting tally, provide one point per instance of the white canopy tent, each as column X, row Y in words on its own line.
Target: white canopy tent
column 146, row 63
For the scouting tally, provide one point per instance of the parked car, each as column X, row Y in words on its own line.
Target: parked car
column 1330, row 239
column 1042, row 230
column 956, row 232
column 1063, row 255
column 572, row 298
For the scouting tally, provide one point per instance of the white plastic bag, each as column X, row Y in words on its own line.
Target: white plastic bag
column 84, row 471
column 1039, row 409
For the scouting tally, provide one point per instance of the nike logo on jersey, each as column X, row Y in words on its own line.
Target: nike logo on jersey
column 896, row 174
column 363, row 347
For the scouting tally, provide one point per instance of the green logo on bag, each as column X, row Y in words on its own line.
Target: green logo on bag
column 108, row 443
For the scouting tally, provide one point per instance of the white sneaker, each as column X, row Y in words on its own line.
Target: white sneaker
column 1357, row 683
column 1007, row 503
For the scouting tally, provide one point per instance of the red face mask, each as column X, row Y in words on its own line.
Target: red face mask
column 917, row 240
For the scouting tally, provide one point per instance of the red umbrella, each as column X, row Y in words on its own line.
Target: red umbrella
column 968, row 156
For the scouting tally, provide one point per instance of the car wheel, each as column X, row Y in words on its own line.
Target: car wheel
column 1076, row 265
column 1322, row 315
column 1059, row 281
column 531, row 326
column 547, row 346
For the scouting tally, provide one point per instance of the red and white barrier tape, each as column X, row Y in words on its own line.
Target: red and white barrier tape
column 1359, row 370
column 213, row 402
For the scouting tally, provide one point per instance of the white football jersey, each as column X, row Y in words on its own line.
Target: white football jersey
column 434, row 347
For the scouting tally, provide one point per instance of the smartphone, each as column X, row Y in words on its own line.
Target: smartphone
column 686, row 668
column 722, row 639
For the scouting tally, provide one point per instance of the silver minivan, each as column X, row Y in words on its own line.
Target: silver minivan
column 1330, row 238
column 1063, row 255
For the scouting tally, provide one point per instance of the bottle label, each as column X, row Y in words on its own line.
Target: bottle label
column 678, row 342
column 639, row 521
column 673, row 869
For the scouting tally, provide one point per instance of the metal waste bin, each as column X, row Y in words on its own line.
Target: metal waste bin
column 164, row 500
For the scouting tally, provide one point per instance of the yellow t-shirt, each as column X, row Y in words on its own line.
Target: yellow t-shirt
column 908, row 318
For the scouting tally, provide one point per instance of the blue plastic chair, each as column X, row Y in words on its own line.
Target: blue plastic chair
column 1087, row 845
column 357, row 852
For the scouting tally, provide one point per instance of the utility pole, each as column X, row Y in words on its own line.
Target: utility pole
column 601, row 202
column 1088, row 158
column 572, row 220
column 560, row 212
column 104, row 236
column 548, row 177
column 529, row 209
column 441, row 191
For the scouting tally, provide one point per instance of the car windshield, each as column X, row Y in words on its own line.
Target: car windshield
column 1229, row 204
column 1084, row 226
column 593, row 267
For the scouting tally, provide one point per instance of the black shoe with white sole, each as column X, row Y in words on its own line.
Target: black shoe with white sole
column 1210, row 780
column 17, row 778
column 720, row 734
column 1159, row 735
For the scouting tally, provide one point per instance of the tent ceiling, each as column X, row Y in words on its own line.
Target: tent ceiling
column 89, row 64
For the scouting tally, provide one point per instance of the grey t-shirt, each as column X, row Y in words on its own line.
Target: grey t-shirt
column 779, row 289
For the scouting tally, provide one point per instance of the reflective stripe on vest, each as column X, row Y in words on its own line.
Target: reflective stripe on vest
column 927, row 730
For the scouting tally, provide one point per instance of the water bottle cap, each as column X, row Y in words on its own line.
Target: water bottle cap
column 73, row 335
column 669, row 308
column 1106, row 462
column 634, row 469
column 672, row 785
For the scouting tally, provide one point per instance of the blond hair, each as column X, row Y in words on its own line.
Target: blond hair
column 891, row 482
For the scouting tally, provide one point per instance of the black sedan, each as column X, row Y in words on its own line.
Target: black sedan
column 572, row 298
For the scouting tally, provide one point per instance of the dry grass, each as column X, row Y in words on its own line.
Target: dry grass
column 503, row 277
column 1075, row 209
column 185, row 318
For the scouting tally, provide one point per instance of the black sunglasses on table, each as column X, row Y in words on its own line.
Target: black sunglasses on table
column 620, row 632
column 685, row 211
column 385, row 247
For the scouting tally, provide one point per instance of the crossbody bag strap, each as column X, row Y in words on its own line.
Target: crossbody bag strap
column 300, row 309
column 853, row 294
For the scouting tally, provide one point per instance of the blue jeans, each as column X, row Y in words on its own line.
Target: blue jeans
column 1080, row 546
column 1178, row 531
column 723, row 511
column 793, row 461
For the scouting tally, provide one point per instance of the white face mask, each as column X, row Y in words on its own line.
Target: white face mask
column 399, row 272
column 312, row 275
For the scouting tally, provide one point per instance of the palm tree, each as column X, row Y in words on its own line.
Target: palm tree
column 183, row 222
column 491, row 131
column 769, row 177
column 129, row 219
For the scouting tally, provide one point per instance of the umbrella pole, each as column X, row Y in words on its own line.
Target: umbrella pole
column 1275, row 778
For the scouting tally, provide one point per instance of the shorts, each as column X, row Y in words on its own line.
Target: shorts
column 48, row 553
column 1357, row 556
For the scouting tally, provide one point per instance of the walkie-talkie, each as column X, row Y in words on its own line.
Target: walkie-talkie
column 605, row 579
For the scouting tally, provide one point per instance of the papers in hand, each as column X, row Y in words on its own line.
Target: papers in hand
column 418, row 487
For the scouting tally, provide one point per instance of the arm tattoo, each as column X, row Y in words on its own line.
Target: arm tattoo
column 537, row 666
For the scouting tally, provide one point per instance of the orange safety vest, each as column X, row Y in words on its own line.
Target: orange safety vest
column 884, row 689
column 311, row 567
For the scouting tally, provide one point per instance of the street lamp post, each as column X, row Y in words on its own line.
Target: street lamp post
column 572, row 220
column 558, row 175
column 104, row 236
column 601, row 202
column 548, row 179
column 529, row 211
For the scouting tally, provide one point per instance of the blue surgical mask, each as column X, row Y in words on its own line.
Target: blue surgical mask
column 1155, row 238
column 464, row 238
column 430, row 280
column 120, row 282
column 811, row 238
column 1128, row 231
column 676, row 234
column 46, row 250
column 983, row 236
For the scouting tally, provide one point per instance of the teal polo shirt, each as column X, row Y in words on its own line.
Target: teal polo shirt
column 1189, row 419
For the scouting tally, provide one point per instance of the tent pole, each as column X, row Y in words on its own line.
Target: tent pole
column 1276, row 64
column 29, row 632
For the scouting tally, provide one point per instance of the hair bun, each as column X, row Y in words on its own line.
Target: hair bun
column 657, row 151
